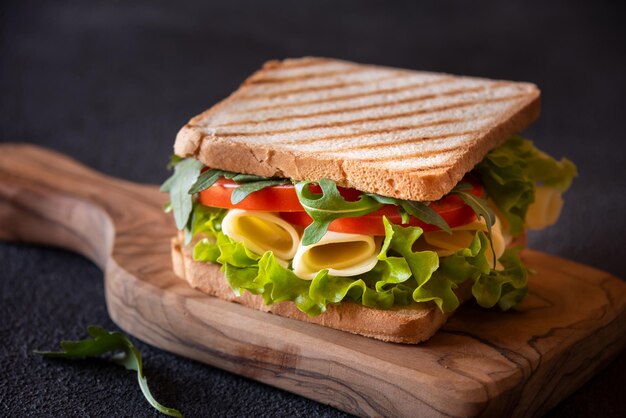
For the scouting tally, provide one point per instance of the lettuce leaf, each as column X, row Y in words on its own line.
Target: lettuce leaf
column 510, row 173
column 432, row 285
column 401, row 276
column 204, row 219
column 505, row 287
column 262, row 275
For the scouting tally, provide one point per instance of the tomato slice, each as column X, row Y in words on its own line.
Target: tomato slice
column 284, row 199
column 281, row 198
column 272, row 199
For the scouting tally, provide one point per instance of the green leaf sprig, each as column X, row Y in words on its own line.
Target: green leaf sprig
column 122, row 352
column 419, row 210
column 328, row 206
column 249, row 183
column 185, row 174
column 189, row 179
column 243, row 191
column 209, row 177
column 481, row 209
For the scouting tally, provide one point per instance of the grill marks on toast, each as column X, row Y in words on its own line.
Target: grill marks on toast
column 314, row 88
column 393, row 101
column 438, row 153
column 334, row 113
column 364, row 120
column 343, row 97
column 296, row 78
column 423, row 111
column 436, row 148
column 359, row 134
column 405, row 141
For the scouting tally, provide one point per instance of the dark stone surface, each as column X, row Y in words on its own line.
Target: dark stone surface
column 109, row 83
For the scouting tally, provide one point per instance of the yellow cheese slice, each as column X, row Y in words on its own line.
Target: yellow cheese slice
column 341, row 254
column 546, row 208
column 446, row 244
column 261, row 232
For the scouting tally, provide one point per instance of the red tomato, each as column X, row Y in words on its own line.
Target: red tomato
column 283, row 199
column 273, row 199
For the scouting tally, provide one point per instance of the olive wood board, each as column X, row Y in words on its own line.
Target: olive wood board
column 481, row 363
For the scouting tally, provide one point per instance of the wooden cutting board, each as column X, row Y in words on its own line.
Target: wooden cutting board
column 481, row 363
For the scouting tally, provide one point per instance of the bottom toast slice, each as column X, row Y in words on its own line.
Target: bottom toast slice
column 409, row 324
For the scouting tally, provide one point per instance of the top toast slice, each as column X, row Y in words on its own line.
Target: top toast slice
column 406, row 134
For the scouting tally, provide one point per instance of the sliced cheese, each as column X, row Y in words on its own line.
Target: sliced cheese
column 341, row 254
column 546, row 208
column 450, row 242
column 261, row 232
column 446, row 244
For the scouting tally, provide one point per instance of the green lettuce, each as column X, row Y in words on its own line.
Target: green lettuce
column 511, row 172
column 204, row 219
column 400, row 277
column 506, row 287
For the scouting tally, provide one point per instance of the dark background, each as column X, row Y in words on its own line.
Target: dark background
column 109, row 83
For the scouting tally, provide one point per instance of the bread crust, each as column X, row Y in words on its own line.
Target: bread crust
column 404, row 324
column 209, row 138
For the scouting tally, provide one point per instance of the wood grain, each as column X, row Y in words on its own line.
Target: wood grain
column 482, row 363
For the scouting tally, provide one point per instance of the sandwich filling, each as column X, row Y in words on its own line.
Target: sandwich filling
column 316, row 243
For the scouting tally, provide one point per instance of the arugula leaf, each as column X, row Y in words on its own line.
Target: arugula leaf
column 328, row 206
column 188, row 179
column 185, row 174
column 419, row 210
column 241, row 178
column 250, row 183
column 174, row 159
column 425, row 213
column 241, row 192
column 205, row 180
column 123, row 353
column 209, row 177
column 481, row 209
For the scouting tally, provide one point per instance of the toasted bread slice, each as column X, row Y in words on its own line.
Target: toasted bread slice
column 404, row 324
column 406, row 134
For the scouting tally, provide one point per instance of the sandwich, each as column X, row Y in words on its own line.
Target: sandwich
column 367, row 199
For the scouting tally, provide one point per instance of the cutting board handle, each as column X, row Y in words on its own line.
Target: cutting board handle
column 47, row 198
